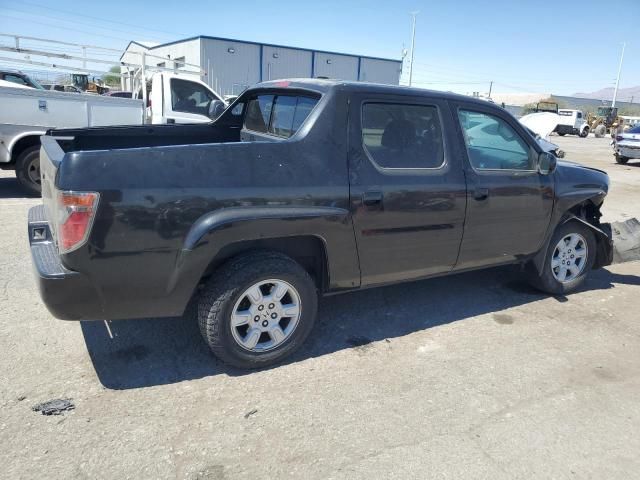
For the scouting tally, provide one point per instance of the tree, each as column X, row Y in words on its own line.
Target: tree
column 113, row 80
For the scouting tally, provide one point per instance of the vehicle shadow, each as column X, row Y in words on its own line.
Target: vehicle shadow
column 152, row 352
column 10, row 188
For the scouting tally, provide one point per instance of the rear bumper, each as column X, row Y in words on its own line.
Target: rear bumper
column 68, row 295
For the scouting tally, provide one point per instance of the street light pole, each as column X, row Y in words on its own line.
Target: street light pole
column 615, row 92
column 413, row 44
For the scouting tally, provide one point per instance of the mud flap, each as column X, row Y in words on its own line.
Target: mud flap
column 626, row 240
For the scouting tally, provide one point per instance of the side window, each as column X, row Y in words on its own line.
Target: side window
column 237, row 109
column 190, row 97
column 492, row 144
column 402, row 136
column 15, row 79
column 259, row 113
column 579, row 114
column 280, row 115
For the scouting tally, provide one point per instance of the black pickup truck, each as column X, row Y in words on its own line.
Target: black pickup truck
column 302, row 188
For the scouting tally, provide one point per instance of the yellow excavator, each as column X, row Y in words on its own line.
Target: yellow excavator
column 602, row 121
column 81, row 81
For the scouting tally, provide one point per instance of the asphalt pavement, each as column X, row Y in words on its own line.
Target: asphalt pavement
column 470, row 376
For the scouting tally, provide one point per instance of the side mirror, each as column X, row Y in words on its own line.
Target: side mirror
column 546, row 163
column 216, row 107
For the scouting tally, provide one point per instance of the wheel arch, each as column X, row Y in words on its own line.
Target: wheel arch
column 23, row 142
column 587, row 212
column 309, row 251
column 319, row 238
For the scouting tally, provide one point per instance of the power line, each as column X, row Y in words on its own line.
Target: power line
column 67, row 28
column 136, row 26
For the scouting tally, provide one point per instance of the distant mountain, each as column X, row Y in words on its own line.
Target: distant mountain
column 624, row 94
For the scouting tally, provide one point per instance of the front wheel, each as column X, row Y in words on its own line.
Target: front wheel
column 258, row 309
column 28, row 170
column 569, row 258
column 584, row 133
column 620, row 159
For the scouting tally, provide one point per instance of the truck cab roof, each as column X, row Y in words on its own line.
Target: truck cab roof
column 323, row 86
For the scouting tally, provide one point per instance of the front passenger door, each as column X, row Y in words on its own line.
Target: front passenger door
column 509, row 203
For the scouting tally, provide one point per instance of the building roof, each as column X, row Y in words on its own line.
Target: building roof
column 198, row 37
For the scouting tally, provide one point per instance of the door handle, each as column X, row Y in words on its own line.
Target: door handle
column 481, row 193
column 372, row 199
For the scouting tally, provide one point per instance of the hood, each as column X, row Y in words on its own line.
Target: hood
column 575, row 177
column 542, row 123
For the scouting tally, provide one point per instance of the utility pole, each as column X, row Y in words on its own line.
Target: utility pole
column 490, row 88
column 413, row 44
column 615, row 92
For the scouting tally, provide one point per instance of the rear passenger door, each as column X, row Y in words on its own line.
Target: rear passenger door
column 407, row 187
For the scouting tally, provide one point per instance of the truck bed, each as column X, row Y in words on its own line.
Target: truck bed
column 110, row 138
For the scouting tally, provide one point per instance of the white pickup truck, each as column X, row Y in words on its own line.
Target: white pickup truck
column 27, row 113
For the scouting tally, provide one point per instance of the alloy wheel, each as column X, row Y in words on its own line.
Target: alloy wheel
column 265, row 315
column 569, row 257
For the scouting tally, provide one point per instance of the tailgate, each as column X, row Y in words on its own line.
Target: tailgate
column 51, row 156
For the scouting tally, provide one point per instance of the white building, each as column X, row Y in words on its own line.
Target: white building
column 230, row 66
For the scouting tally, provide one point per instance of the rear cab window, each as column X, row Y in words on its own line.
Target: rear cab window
column 278, row 115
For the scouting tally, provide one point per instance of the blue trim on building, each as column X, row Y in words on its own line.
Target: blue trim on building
column 261, row 56
column 313, row 64
column 267, row 45
column 359, row 66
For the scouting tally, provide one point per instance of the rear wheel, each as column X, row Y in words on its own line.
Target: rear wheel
column 28, row 170
column 584, row 133
column 562, row 134
column 569, row 258
column 620, row 159
column 257, row 310
column 600, row 131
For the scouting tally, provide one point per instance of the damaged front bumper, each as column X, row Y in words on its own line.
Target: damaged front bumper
column 604, row 241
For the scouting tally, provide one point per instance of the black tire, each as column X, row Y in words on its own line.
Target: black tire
column 546, row 281
column 621, row 160
column 219, row 296
column 600, row 131
column 561, row 134
column 28, row 166
column 584, row 133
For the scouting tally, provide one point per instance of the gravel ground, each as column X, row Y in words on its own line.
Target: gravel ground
column 470, row 376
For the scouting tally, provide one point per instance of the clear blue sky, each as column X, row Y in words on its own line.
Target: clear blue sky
column 559, row 46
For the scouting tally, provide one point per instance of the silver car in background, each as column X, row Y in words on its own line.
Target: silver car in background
column 627, row 145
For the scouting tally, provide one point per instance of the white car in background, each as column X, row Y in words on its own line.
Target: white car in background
column 626, row 145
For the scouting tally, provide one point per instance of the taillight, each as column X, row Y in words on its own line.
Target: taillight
column 76, row 211
column 619, row 138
